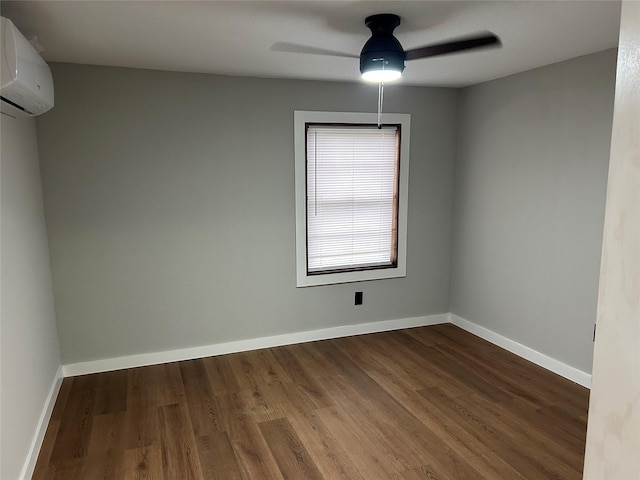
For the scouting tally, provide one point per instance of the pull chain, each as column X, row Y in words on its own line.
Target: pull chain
column 380, row 98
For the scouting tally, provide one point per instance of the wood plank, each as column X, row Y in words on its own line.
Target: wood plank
column 44, row 456
column 366, row 456
column 458, row 370
column 111, row 392
column 142, row 388
column 178, row 446
column 255, row 374
column 310, row 356
column 402, row 354
column 289, row 452
column 62, row 398
column 142, row 427
column 70, row 469
column 249, row 447
column 499, row 416
column 72, row 440
column 142, row 412
column 270, row 369
column 105, row 459
column 449, row 334
column 424, row 472
column 392, row 364
column 201, row 404
column 532, row 463
column 380, row 429
column 302, row 378
column 143, row 463
column 572, row 421
column 493, row 372
column 538, row 429
column 555, row 389
column 409, row 441
column 217, row 460
column 332, row 461
column 221, row 376
column 170, row 389
column 454, row 436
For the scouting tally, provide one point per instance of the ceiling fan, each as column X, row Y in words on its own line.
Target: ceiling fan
column 382, row 57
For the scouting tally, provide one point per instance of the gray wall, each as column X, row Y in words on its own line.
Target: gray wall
column 29, row 355
column 530, row 180
column 170, row 205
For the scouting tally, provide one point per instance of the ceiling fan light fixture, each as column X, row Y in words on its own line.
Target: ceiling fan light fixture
column 381, row 66
column 382, row 57
column 381, row 75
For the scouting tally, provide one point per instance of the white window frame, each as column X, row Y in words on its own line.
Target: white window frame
column 301, row 118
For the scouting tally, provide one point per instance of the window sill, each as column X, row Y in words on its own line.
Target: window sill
column 305, row 280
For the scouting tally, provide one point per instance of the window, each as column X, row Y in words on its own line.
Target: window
column 351, row 197
column 352, row 202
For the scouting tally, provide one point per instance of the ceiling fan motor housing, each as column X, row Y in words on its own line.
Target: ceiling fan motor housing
column 382, row 49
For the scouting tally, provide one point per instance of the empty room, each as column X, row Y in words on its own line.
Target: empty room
column 320, row 239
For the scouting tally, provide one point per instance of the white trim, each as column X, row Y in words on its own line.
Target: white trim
column 139, row 360
column 556, row 366
column 41, row 427
column 144, row 359
column 300, row 118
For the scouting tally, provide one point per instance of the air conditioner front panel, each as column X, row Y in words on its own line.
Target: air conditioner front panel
column 25, row 79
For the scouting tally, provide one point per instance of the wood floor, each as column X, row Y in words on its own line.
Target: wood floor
column 425, row 403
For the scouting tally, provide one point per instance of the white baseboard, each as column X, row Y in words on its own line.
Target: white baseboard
column 556, row 366
column 41, row 428
column 140, row 360
column 118, row 363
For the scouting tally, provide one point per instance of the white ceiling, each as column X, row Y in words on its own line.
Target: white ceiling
column 238, row 37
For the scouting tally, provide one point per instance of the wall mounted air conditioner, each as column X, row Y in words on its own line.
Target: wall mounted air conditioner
column 25, row 78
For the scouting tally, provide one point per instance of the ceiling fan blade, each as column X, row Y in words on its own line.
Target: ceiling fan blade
column 467, row 43
column 295, row 48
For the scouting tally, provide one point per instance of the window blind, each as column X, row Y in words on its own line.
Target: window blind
column 352, row 196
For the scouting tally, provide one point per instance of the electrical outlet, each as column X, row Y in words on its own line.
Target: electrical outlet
column 358, row 299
